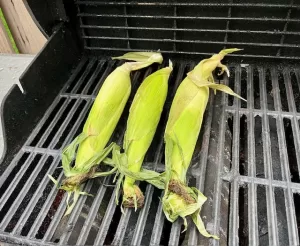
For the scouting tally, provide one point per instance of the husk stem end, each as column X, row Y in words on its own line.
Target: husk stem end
column 176, row 204
column 133, row 197
column 78, row 179
column 180, row 189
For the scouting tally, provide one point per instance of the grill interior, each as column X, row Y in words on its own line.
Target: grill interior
column 268, row 29
column 253, row 147
column 247, row 158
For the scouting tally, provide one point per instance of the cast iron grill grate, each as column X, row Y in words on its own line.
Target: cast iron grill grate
column 246, row 162
column 265, row 29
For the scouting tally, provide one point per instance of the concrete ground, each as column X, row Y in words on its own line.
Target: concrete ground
column 11, row 67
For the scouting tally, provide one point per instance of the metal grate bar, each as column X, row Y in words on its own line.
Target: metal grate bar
column 56, row 219
column 170, row 4
column 86, row 72
column 297, row 72
column 140, row 225
column 227, row 23
column 203, row 156
column 92, row 213
column 208, row 30
column 184, row 30
column 106, row 220
column 43, row 212
column 22, row 240
column 51, row 108
column 261, row 181
column 175, row 27
column 252, row 195
column 22, row 193
column 196, row 41
column 107, row 71
column 94, row 76
column 75, row 126
column 67, row 121
column 75, row 214
column 219, row 160
column 78, row 96
column 234, row 220
column 120, row 233
column 193, row 53
column 285, row 27
column 78, row 70
column 53, row 123
column 234, row 199
column 175, row 232
column 48, row 112
column 259, row 112
column 174, row 23
column 44, row 151
column 292, row 108
column 81, row 23
column 290, row 210
column 215, row 18
column 9, row 169
column 34, row 199
column 271, row 211
column 16, row 181
column 158, row 225
column 126, row 24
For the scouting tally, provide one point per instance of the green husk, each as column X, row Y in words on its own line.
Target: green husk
column 142, row 122
column 182, row 130
column 100, row 124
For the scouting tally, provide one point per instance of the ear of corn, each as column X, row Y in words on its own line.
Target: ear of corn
column 109, row 104
column 144, row 116
column 100, row 124
column 142, row 122
column 181, row 134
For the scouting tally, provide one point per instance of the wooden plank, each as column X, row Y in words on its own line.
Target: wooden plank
column 5, row 45
column 27, row 36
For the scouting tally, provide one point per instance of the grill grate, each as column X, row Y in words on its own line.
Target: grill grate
column 246, row 162
column 265, row 29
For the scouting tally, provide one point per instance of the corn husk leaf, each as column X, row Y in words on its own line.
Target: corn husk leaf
column 120, row 161
column 201, row 83
column 142, row 59
column 76, row 193
column 88, row 149
column 143, row 119
column 175, row 207
column 69, row 153
column 140, row 56
column 182, row 130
